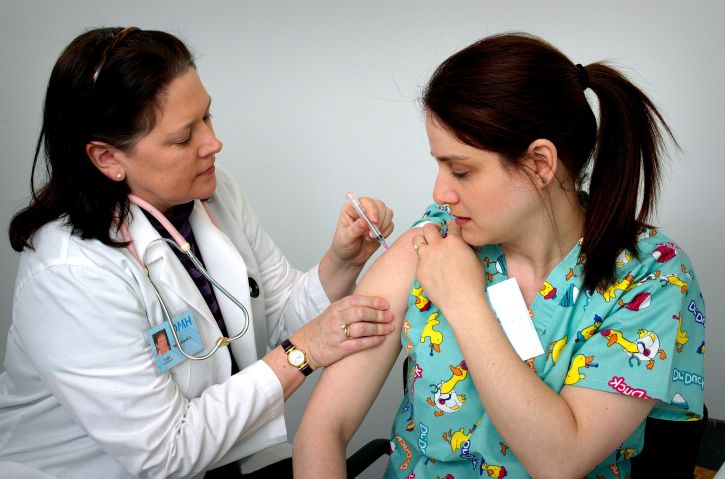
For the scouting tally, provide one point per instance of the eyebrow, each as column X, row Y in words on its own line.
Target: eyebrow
column 449, row 157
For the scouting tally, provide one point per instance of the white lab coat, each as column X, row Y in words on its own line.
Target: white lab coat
column 80, row 396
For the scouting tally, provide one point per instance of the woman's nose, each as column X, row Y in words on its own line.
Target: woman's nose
column 442, row 193
column 211, row 145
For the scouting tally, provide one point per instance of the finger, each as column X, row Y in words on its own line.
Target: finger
column 365, row 315
column 362, row 329
column 373, row 208
column 359, row 300
column 360, row 344
column 454, row 229
column 419, row 242
column 432, row 233
column 386, row 225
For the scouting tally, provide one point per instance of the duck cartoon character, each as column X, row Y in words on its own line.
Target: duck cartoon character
column 580, row 361
column 645, row 348
column 445, row 396
column 623, row 285
column 421, row 302
column 589, row 331
column 436, row 337
column 497, row 472
column 681, row 338
column 556, row 347
column 547, row 290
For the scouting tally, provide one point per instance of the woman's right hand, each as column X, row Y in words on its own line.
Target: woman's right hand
column 367, row 318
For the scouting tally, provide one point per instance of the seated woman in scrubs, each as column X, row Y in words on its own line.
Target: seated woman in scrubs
column 130, row 155
column 604, row 323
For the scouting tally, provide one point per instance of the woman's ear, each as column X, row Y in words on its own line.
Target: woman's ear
column 542, row 161
column 103, row 156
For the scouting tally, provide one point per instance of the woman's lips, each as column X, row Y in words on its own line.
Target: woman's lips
column 462, row 220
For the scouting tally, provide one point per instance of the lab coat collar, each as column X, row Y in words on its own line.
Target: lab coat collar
column 226, row 265
column 163, row 265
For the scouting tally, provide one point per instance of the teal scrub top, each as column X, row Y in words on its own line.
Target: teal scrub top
column 642, row 336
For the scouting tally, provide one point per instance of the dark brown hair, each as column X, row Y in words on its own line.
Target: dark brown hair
column 505, row 91
column 104, row 87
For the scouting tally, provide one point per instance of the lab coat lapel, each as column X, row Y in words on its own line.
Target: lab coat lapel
column 226, row 265
column 165, row 268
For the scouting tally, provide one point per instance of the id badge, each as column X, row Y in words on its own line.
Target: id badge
column 164, row 349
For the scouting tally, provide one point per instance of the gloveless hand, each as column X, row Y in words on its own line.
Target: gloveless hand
column 352, row 243
column 348, row 325
column 447, row 269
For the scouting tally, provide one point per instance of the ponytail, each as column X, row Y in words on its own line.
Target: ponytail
column 626, row 171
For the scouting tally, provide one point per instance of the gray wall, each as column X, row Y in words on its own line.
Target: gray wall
column 316, row 98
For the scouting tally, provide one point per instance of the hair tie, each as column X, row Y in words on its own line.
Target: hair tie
column 583, row 75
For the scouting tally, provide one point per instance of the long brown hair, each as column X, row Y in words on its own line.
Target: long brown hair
column 105, row 86
column 505, row 91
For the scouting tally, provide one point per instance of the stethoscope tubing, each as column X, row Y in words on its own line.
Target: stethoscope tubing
column 182, row 245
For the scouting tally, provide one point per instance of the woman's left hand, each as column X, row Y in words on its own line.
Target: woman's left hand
column 353, row 244
column 447, row 269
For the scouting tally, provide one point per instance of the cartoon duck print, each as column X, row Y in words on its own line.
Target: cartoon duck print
column 436, row 337
column 406, row 328
column 589, row 331
column 674, row 280
column 624, row 285
column 547, row 290
column 499, row 267
column 701, row 348
column 580, row 361
column 497, row 472
column 626, row 453
column 681, row 338
column 570, row 274
column 623, row 258
column 504, row 448
column 645, row 348
column 421, row 302
column 640, row 301
column 458, row 438
column 445, row 397
column 555, row 348
column 664, row 252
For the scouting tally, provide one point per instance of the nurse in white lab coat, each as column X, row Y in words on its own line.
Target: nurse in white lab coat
column 81, row 396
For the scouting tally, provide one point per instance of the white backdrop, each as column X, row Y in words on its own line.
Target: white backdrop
column 315, row 98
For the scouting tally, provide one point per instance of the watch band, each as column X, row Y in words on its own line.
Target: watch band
column 304, row 367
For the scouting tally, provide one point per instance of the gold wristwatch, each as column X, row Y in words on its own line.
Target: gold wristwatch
column 296, row 357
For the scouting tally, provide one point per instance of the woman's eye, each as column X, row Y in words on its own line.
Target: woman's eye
column 185, row 141
column 458, row 174
column 207, row 117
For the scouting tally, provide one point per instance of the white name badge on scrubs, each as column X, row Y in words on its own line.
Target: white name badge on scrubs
column 164, row 349
column 510, row 308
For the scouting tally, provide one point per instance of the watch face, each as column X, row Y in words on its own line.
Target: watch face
column 296, row 357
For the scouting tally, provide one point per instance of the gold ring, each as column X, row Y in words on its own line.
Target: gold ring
column 346, row 330
column 416, row 247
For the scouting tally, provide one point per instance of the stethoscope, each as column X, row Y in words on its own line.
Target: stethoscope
column 182, row 245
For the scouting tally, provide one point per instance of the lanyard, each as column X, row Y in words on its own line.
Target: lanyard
column 182, row 245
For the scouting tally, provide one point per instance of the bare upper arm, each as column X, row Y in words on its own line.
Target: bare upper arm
column 346, row 390
column 604, row 420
